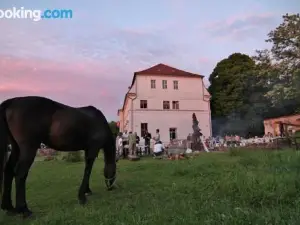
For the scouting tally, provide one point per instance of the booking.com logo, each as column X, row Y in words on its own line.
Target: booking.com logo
column 35, row 14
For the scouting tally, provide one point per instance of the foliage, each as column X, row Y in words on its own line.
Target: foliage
column 280, row 66
column 73, row 156
column 246, row 91
column 114, row 128
column 227, row 84
column 255, row 187
column 236, row 104
column 49, row 158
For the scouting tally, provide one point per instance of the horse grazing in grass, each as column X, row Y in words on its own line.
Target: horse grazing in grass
column 26, row 122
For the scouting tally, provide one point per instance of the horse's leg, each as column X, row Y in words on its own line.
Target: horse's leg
column 90, row 157
column 27, row 155
column 87, row 191
column 9, row 173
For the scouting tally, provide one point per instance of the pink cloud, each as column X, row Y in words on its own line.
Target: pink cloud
column 75, row 84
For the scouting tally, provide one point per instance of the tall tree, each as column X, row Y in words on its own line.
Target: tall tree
column 114, row 128
column 230, row 92
column 279, row 67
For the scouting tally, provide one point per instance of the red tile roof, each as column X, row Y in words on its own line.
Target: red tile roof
column 162, row 69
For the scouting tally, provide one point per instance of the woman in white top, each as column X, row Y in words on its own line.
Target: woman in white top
column 119, row 145
column 158, row 149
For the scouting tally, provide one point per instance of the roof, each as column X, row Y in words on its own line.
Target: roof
column 162, row 69
column 284, row 117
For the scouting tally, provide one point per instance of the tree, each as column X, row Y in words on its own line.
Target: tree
column 230, row 93
column 228, row 83
column 114, row 128
column 279, row 67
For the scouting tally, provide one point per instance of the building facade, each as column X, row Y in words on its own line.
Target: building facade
column 286, row 123
column 164, row 98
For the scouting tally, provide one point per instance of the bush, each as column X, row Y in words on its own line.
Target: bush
column 73, row 157
column 49, row 158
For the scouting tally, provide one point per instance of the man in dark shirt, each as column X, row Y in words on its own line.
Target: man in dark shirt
column 147, row 137
column 138, row 149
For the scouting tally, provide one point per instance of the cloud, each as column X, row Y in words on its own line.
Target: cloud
column 72, row 83
column 82, row 62
column 75, row 66
column 240, row 28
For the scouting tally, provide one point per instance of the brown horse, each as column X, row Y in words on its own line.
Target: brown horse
column 26, row 122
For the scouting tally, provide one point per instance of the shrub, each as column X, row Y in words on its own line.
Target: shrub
column 49, row 158
column 73, row 156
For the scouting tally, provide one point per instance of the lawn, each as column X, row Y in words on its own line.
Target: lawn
column 214, row 188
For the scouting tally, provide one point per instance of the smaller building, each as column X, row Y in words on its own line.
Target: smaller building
column 285, row 123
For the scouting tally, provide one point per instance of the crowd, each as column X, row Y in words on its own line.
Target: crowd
column 128, row 144
column 237, row 141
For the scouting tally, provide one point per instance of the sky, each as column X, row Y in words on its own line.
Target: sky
column 90, row 59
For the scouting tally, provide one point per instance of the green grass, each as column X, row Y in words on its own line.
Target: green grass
column 214, row 188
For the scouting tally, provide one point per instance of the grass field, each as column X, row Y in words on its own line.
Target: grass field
column 214, row 188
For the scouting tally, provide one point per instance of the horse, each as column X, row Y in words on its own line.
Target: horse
column 26, row 122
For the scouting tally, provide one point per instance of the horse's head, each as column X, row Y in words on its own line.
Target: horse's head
column 110, row 175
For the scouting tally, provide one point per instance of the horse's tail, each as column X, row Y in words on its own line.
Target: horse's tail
column 4, row 133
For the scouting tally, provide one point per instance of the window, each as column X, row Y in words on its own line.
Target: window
column 166, row 104
column 175, row 104
column 144, row 128
column 164, row 84
column 153, row 84
column 173, row 133
column 143, row 104
column 175, row 84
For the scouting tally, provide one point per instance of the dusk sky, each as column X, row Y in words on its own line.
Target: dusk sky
column 90, row 59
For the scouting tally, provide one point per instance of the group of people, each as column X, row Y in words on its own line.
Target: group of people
column 129, row 144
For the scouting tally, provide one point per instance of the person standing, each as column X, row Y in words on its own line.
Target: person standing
column 119, row 145
column 157, row 136
column 125, row 144
column 132, row 143
column 138, row 149
column 147, row 138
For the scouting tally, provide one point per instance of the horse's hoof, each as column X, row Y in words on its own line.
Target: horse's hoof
column 27, row 214
column 83, row 201
column 111, row 188
column 11, row 212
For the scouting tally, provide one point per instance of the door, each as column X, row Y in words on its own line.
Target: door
column 173, row 133
column 144, row 127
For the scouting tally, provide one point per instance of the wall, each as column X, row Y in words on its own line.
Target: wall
column 182, row 120
column 189, row 94
column 272, row 127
